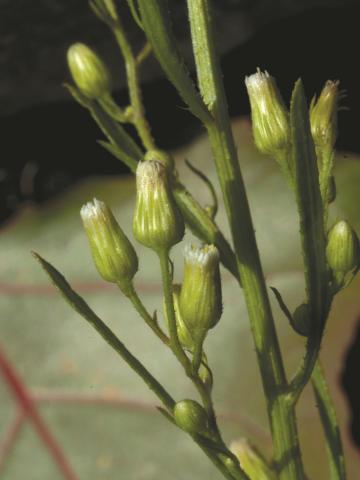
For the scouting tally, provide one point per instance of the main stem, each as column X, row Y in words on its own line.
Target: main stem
column 281, row 413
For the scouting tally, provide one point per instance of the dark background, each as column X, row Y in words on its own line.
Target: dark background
column 48, row 141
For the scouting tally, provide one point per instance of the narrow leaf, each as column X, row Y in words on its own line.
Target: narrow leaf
column 112, row 129
column 286, row 311
column 119, row 154
column 310, row 206
column 155, row 19
column 81, row 307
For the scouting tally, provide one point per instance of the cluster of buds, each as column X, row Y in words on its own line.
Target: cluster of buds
column 342, row 252
column 158, row 225
column 89, row 72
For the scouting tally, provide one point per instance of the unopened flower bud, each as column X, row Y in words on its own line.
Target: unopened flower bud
column 206, row 377
column 190, row 416
column 158, row 223
column 270, row 118
column 342, row 249
column 251, row 461
column 200, row 297
column 183, row 332
column 88, row 71
column 301, row 319
column 113, row 254
column 323, row 116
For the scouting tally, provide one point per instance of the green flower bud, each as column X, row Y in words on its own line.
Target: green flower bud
column 206, row 377
column 301, row 319
column 88, row 71
column 113, row 254
column 270, row 118
column 183, row 332
column 200, row 297
column 342, row 248
column 190, row 416
column 251, row 461
column 158, row 224
column 323, row 116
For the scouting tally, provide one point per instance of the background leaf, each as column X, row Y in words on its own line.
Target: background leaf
column 53, row 348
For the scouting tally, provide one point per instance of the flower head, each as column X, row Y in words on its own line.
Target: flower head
column 113, row 254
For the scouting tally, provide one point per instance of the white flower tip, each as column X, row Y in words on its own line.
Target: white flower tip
column 92, row 209
column 205, row 255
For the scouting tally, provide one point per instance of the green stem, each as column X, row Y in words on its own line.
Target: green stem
column 181, row 356
column 144, row 314
column 170, row 312
column 281, row 413
column 330, row 425
column 138, row 114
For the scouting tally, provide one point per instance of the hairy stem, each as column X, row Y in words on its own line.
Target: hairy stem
column 281, row 414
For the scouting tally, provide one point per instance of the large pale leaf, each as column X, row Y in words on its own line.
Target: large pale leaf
column 53, row 348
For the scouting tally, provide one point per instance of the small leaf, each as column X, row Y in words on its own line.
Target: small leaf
column 286, row 311
column 119, row 154
column 112, row 129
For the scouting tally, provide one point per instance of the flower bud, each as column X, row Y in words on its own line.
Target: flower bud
column 88, row 71
column 251, row 461
column 323, row 116
column 113, row 254
column 158, row 223
column 190, row 416
column 183, row 332
column 206, row 377
column 270, row 118
column 200, row 297
column 301, row 319
column 342, row 250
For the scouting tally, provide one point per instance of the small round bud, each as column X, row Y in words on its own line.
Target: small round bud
column 323, row 116
column 301, row 319
column 251, row 461
column 342, row 250
column 113, row 254
column 270, row 118
column 158, row 223
column 183, row 332
column 200, row 299
column 88, row 71
column 190, row 416
column 206, row 377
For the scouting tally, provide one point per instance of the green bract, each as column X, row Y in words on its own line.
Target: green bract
column 183, row 332
column 88, row 71
column 157, row 223
column 113, row 254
